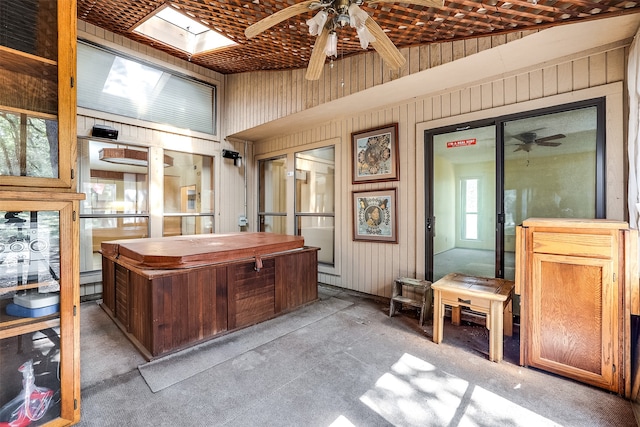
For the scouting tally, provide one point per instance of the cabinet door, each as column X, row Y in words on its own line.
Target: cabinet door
column 573, row 328
column 37, row 94
column 38, row 321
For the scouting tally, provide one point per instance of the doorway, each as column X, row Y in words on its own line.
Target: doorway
column 484, row 178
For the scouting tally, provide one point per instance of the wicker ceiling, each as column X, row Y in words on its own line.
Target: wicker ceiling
column 288, row 44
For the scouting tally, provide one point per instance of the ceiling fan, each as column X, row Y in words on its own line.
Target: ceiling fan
column 333, row 15
column 530, row 138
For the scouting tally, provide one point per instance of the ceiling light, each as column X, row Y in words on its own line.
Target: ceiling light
column 126, row 156
column 439, row 19
column 316, row 24
column 331, row 49
column 459, row 15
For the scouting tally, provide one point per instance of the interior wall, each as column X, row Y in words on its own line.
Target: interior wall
column 249, row 96
column 371, row 267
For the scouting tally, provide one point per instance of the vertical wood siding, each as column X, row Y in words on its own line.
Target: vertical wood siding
column 371, row 267
column 249, row 100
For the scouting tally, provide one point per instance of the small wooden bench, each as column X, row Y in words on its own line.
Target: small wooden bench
column 485, row 295
column 421, row 287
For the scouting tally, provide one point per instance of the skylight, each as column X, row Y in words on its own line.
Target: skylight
column 175, row 29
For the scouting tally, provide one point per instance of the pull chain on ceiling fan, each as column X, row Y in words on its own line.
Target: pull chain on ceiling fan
column 336, row 14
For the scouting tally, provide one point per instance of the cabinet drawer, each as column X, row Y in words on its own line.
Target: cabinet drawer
column 474, row 303
column 584, row 245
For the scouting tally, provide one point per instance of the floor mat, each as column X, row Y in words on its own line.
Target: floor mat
column 167, row 371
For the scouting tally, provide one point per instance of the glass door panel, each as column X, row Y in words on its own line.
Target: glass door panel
column 272, row 195
column 462, row 223
column 549, row 170
column 30, row 301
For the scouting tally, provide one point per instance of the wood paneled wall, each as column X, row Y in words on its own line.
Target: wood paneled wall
column 371, row 267
column 250, row 97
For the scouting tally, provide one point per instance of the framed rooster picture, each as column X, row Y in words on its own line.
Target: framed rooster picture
column 375, row 155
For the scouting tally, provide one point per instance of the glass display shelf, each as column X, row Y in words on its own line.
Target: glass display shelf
column 29, row 268
column 30, row 372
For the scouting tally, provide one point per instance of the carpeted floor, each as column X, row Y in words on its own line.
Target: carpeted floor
column 350, row 365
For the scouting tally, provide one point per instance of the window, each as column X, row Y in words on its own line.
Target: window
column 272, row 195
column 188, row 195
column 470, row 193
column 120, row 85
column 315, row 200
column 116, row 205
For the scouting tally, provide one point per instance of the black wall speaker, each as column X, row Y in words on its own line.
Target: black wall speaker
column 103, row 131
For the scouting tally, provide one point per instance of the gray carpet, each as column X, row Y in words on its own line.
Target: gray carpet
column 167, row 371
column 354, row 367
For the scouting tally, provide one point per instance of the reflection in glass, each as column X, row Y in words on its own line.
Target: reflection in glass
column 549, row 170
column 29, row 146
column 188, row 189
column 464, row 202
column 319, row 232
column 116, row 204
column 272, row 182
column 315, row 200
column 187, row 224
column 272, row 195
column 94, row 231
column 29, row 253
column 273, row 224
column 30, row 372
column 188, row 184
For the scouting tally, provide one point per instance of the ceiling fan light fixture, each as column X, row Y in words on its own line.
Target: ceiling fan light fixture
column 365, row 37
column 331, row 49
column 343, row 19
column 357, row 16
column 316, row 24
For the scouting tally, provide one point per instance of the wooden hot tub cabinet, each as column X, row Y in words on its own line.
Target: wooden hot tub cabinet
column 204, row 286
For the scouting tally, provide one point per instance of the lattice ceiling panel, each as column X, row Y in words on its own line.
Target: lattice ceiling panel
column 289, row 45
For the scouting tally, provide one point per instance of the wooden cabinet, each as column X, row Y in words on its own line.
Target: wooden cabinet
column 39, row 231
column 577, row 279
column 39, row 303
column 37, row 92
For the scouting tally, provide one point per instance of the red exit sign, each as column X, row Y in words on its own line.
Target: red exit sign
column 461, row 143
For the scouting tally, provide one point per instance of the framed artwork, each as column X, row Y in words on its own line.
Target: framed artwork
column 375, row 216
column 375, row 155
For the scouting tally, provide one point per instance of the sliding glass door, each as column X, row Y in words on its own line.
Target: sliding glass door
column 485, row 178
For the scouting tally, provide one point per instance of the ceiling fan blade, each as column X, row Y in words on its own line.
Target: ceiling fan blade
column 549, row 138
column 549, row 143
column 384, row 46
column 316, row 61
column 278, row 17
column 426, row 3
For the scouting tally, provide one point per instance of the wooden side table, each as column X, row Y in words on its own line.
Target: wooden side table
column 421, row 286
column 485, row 295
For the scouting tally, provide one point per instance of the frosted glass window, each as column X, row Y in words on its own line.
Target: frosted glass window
column 119, row 85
